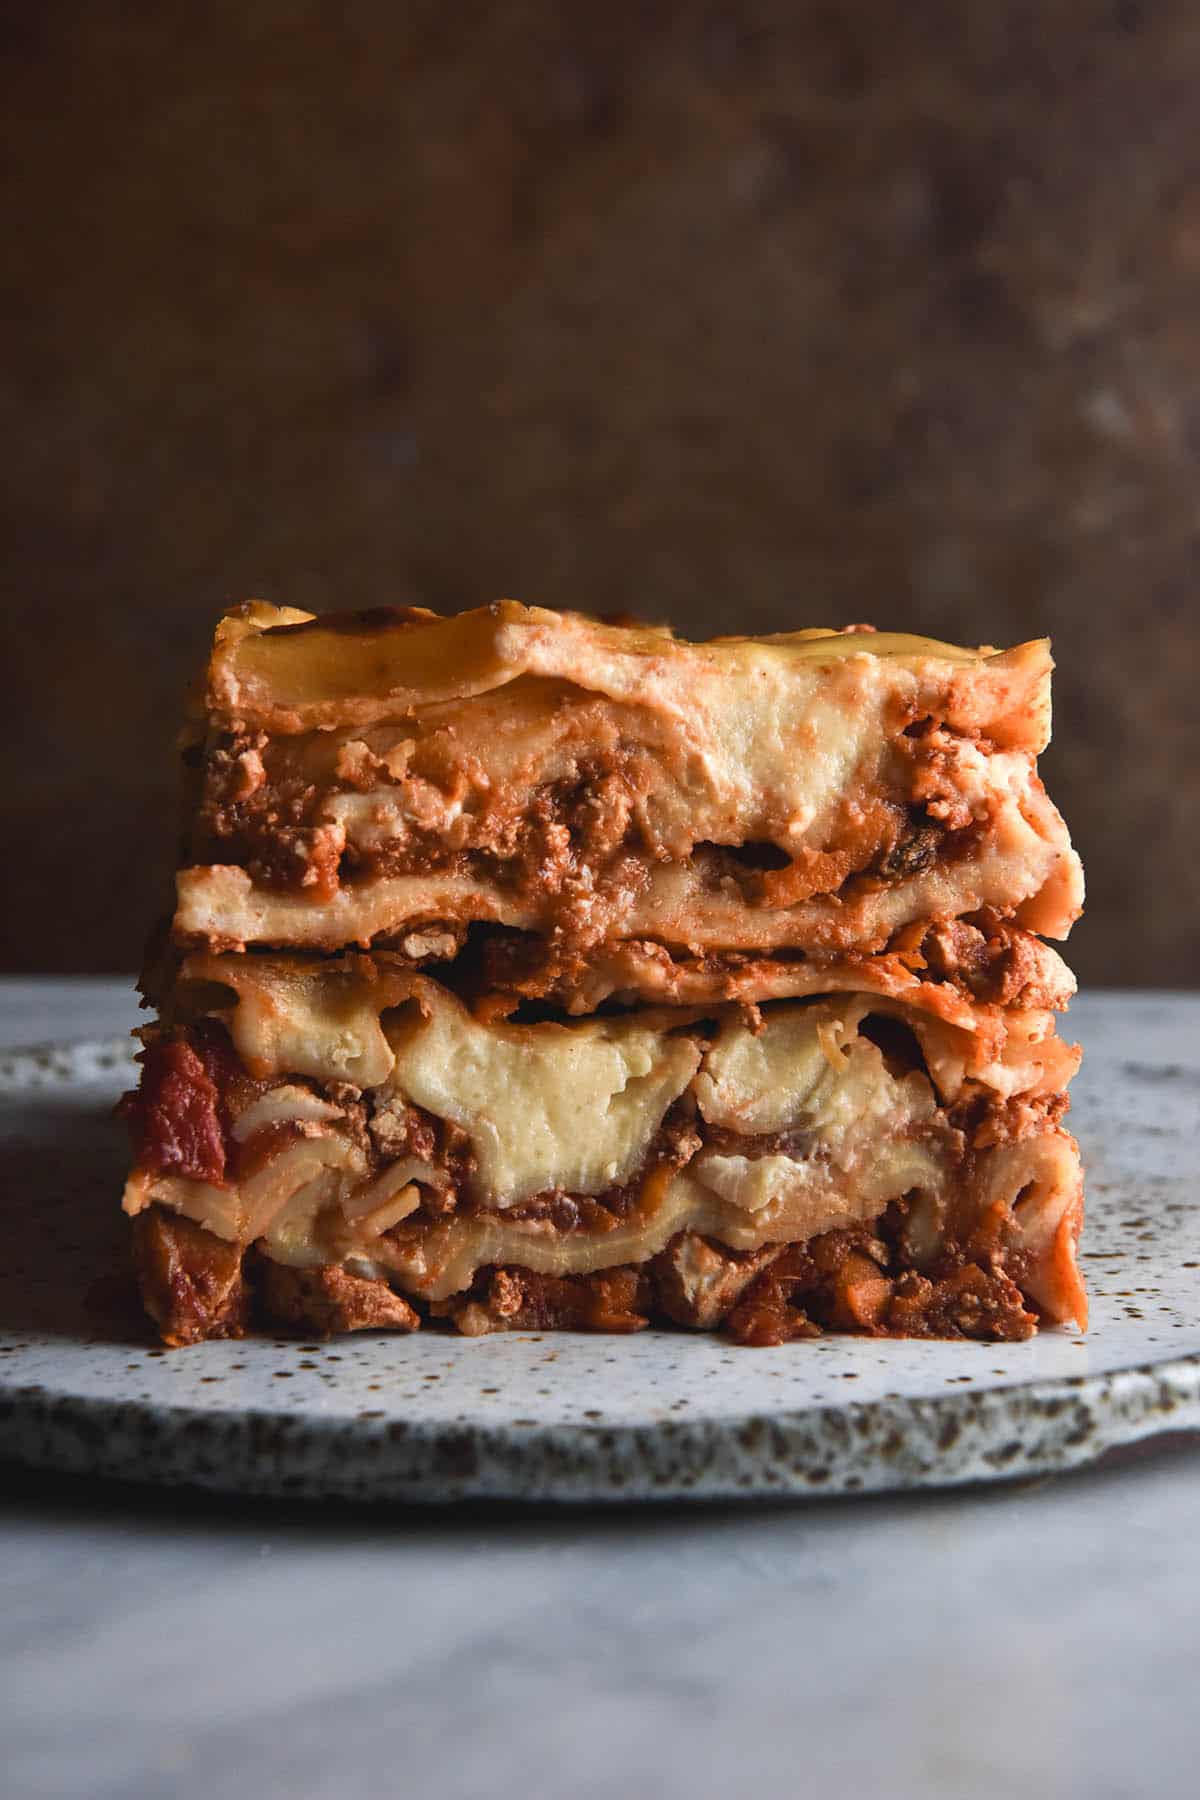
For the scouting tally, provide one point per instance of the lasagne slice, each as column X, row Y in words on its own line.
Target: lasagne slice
column 342, row 1143
column 373, row 779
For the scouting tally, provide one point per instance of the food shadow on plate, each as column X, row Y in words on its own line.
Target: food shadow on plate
column 66, row 1271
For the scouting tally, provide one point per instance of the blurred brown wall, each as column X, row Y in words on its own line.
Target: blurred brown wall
column 746, row 315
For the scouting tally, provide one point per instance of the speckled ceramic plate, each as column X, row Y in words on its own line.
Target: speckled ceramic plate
column 559, row 1416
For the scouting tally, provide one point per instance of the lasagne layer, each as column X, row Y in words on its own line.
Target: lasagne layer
column 354, row 1130
column 365, row 776
column 953, row 968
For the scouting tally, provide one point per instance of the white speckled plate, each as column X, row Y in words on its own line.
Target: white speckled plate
column 436, row 1417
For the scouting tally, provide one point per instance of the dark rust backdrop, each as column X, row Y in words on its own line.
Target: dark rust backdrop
column 747, row 315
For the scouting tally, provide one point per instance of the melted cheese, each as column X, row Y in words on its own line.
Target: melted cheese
column 781, row 1075
column 545, row 1107
column 852, row 1119
column 305, row 1023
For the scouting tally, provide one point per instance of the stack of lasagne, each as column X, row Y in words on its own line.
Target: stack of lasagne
column 530, row 971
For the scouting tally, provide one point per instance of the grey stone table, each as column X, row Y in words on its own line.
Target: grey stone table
column 973, row 1644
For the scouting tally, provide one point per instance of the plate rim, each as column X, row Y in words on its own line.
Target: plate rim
column 860, row 1447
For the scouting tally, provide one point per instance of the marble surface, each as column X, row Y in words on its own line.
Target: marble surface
column 1039, row 1636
